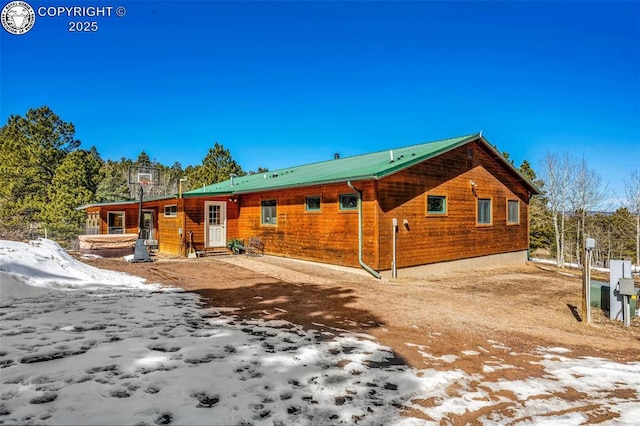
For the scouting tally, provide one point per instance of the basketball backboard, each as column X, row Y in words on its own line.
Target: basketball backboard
column 144, row 175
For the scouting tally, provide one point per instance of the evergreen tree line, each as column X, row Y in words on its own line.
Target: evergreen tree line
column 45, row 175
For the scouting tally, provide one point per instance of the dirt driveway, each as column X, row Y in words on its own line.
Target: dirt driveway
column 523, row 307
column 509, row 313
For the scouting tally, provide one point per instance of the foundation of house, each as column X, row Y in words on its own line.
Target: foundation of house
column 494, row 260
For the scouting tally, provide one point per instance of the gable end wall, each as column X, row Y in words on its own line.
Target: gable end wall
column 455, row 235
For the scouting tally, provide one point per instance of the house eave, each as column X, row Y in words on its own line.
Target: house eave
column 209, row 194
column 126, row 202
column 110, row 203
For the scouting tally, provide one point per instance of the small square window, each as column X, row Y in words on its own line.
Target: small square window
column 171, row 211
column 484, row 211
column 312, row 204
column 269, row 213
column 513, row 212
column 436, row 204
column 348, row 202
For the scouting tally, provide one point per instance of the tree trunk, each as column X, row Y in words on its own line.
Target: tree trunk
column 638, row 241
column 609, row 252
column 557, row 232
column 562, row 242
column 578, row 242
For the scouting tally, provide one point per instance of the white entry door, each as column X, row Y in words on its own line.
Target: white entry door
column 215, row 223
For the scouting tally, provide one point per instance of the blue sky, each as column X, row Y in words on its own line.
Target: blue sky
column 289, row 83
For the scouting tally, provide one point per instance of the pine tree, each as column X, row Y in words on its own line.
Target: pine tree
column 540, row 223
column 143, row 160
column 31, row 149
column 113, row 185
column 169, row 179
column 74, row 184
column 216, row 166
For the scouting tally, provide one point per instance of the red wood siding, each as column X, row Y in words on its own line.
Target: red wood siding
column 330, row 235
column 168, row 232
column 130, row 217
column 456, row 235
column 192, row 214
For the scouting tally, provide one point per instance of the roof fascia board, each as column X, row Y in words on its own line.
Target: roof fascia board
column 123, row 202
column 314, row 183
column 209, row 194
column 110, row 203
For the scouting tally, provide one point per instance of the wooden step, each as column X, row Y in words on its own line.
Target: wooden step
column 213, row 252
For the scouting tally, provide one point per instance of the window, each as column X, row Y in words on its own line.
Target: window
column 171, row 211
column 436, row 204
column 312, row 204
column 513, row 211
column 348, row 201
column 115, row 222
column 214, row 215
column 268, row 214
column 93, row 223
column 469, row 153
column 484, row 211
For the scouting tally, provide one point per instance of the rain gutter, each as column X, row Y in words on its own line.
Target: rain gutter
column 364, row 265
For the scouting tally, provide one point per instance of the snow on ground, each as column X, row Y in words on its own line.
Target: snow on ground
column 81, row 345
column 634, row 268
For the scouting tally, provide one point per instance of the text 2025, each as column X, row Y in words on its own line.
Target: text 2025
column 83, row 26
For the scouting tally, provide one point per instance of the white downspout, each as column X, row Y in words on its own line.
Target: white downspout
column 360, row 261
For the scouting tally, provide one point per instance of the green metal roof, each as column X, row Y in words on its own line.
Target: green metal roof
column 375, row 165
column 371, row 166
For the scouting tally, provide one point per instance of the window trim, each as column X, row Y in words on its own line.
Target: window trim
column 490, row 223
column 306, row 204
column 124, row 221
column 437, row 214
column 517, row 222
column 171, row 215
column 275, row 212
column 347, row 209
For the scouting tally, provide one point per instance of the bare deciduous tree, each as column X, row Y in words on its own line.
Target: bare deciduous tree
column 555, row 171
column 632, row 192
column 586, row 193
